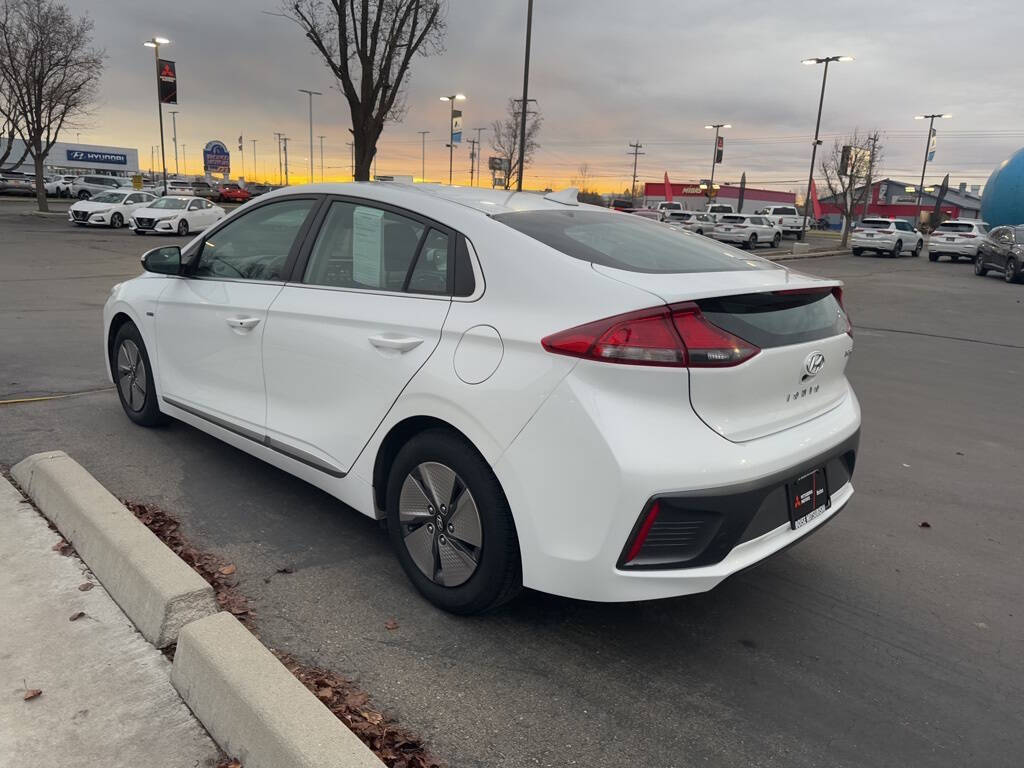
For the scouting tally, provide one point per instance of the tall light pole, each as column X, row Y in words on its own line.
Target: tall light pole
column 526, row 100
column 478, row 132
column 253, row 159
column 174, row 137
column 184, row 158
column 826, row 60
column 311, row 95
column 284, row 142
column 927, row 151
column 321, row 157
column 155, row 43
column 635, row 147
column 280, row 168
column 714, row 153
column 451, row 129
column 423, row 155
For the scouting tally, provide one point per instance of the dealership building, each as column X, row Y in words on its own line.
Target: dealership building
column 79, row 159
column 891, row 198
column 693, row 198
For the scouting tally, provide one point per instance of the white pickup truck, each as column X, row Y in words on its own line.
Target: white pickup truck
column 787, row 218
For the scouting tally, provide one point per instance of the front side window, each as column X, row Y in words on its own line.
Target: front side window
column 363, row 247
column 195, row 205
column 255, row 246
column 170, row 203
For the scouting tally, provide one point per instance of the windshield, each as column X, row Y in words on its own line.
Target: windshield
column 170, row 203
column 627, row 242
column 110, row 197
column 876, row 224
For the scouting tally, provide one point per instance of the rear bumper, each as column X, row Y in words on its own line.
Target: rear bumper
column 960, row 249
column 731, row 237
column 885, row 242
column 596, row 454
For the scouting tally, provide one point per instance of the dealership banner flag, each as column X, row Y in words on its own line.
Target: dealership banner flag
column 167, row 81
column 939, row 198
column 457, row 126
column 815, row 203
column 932, row 144
column 668, row 189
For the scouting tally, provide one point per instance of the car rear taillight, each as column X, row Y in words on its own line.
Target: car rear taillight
column 971, row 237
column 838, row 293
column 676, row 336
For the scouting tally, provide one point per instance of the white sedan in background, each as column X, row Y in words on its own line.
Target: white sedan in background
column 109, row 209
column 531, row 391
column 175, row 215
column 748, row 231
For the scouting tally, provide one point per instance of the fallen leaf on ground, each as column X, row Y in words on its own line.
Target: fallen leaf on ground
column 63, row 547
column 76, row 615
column 924, row 524
column 227, row 570
column 325, row 693
column 390, row 625
column 86, row 587
column 32, row 693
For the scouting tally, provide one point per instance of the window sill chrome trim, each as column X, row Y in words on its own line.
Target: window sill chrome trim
column 267, row 442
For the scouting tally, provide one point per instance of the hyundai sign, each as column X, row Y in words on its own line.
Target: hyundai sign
column 87, row 156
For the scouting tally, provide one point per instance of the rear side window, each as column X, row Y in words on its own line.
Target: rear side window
column 777, row 319
column 430, row 275
column 626, row 242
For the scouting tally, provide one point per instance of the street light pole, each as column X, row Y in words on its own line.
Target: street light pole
column 174, row 137
column 826, row 60
column 254, row 169
column 280, row 172
column 155, row 43
column 714, row 153
column 526, row 101
column 478, row 132
column 636, row 147
column 284, row 141
column 321, row 157
column 423, row 155
column 451, row 129
column 311, row 95
column 924, row 166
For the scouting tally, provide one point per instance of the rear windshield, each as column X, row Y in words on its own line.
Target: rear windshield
column 737, row 219
column 628, row 243
column 951, row 226
column 875, row 224
column 777, row 319
column 784, row 211
column 670, row 206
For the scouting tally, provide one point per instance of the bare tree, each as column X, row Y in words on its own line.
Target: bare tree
column 849, row 164
column 51, row 69
column 368, row 45
column 9, row 120
column 505, row 139
column 582, row 183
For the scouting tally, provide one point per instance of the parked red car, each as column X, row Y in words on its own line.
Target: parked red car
column 232, row 193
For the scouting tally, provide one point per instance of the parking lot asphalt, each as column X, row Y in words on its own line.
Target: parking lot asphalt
column 876, row 642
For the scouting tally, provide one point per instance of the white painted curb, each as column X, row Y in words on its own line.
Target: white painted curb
column 253, row 707
column 157, row 590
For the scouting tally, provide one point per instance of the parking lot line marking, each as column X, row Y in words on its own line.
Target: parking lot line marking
column 41, row 398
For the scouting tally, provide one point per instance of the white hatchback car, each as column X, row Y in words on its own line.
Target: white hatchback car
column 532, row 392
column 886, row 236
column 747, row 231
column 174, row 215
column 109, row 209
column 956, row 238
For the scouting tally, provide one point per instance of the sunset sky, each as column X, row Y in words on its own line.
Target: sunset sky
column 604, row 74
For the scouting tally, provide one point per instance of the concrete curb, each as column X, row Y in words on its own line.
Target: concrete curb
column 254, row 708
column 810, row 255
column 157, row 590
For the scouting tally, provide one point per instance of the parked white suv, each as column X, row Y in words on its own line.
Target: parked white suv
column 888, row 236
column 692, row 221
column 84, row 187
column 59, row 186
column 956, row 238
column 748, row 231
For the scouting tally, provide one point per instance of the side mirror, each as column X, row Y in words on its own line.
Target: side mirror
column 165, row 260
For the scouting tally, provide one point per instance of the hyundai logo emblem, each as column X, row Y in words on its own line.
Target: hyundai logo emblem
column 814, row 363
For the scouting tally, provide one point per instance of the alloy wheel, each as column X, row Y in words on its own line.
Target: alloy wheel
column 131, row 375
column 440, row 524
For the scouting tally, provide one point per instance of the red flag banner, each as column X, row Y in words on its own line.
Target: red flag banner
column 815, row 204
column 668, row 189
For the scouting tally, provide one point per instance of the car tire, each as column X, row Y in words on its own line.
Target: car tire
column 954, row 257
column 935, row 256
column 858, row 251
column 133, row 377
column 484, row 570
column 917, row 249
column 183, row 227
column 84, row 195
column 116, row 221
column 776, row 240
column 800, row 235
column 1010, row 273
column 751, row 243
column 979, row 266
column 897, row 249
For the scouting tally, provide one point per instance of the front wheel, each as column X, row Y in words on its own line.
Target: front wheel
column 1010, row 273
column 117, row 221
column 183, row 227
column 450, row 525
column 979, row 266
column 133, row 377
column 776, row 240
column 84, row 195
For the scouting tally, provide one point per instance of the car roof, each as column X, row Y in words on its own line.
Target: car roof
column 481, row 200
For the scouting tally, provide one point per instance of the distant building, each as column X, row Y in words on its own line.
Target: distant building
column 890, row 199
column 75, row 158
column 693, row 198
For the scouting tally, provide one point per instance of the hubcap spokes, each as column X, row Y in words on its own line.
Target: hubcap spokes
column 131, row 375
column 440, row 524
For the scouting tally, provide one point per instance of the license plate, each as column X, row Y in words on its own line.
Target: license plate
column 808, row 498
column 950, row 239
column 870, row 235
column 727, row 229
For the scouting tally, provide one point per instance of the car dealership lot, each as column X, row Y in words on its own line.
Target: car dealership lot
column 874, row 642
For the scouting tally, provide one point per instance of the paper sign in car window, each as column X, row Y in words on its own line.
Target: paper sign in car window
column 366, row 246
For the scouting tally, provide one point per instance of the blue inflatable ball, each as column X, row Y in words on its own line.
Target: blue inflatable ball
column 1002, row 202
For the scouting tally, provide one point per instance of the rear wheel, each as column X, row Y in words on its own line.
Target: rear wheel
column 954, row 257
column 979, row 266
column 897, row 249
column 752, row 243
column 1010, row 273
column 776, row 240
column 133, row 377
column 935, row 256
column 84, row 195
column 858, row 251
column 450, row 525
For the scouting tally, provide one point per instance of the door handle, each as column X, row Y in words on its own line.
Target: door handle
column 242, row 323
column 399, row 343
